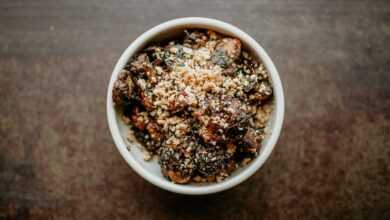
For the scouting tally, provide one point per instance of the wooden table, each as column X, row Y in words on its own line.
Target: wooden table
column 57, row 158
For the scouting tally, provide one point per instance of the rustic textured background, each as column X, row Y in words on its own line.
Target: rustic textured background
column 57, row 158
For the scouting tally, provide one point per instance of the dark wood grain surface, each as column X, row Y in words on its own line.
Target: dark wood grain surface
column 57, row 158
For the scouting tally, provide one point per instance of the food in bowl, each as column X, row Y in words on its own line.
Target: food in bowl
column 200, row 103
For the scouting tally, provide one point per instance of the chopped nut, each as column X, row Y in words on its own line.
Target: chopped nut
column 123, row 88
column 231, row 46
column 177, row 178
column 245, row 161
column 146, row 155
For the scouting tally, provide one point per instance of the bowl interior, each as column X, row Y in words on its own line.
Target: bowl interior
column 150, row 169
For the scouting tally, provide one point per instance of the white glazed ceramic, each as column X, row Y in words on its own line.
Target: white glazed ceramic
column 150, row 170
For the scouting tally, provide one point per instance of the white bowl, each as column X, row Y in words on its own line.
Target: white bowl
column 150, row 170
